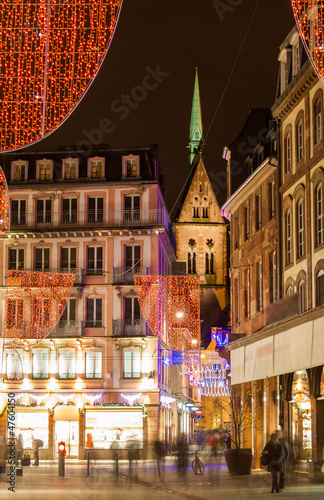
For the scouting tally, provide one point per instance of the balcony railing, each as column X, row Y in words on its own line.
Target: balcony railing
column 89, row 219
column 126, row 274
column 130, row 328
column 67, row 329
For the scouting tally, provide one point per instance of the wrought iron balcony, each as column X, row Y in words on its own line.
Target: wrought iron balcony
column 130, row 328
column 126, row 274
column 67, row 329
column 89, row 219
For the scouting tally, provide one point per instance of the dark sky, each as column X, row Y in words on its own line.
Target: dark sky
column 178, row 35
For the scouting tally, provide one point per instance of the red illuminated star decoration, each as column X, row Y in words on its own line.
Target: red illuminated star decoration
column 170, row 305
column 309, row 15
column 4, row 206
column 50, row 52
column 35, row 302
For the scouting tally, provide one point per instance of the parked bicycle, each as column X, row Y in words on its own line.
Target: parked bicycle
column 197, row 465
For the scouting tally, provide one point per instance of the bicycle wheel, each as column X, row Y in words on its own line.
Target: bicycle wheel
column 198, row 467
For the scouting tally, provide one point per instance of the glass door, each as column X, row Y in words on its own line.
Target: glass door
column 68, row 431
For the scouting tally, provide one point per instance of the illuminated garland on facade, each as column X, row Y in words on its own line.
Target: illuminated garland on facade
column 50, row 52
column 309, row 15
column 35, row 302
column 4, row 205
column 170, row 305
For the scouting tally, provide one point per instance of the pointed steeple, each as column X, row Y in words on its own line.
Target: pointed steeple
column 196, row 128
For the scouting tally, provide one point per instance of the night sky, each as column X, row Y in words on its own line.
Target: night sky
column 176, row 36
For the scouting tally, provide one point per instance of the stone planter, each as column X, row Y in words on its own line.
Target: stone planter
column 239, row 461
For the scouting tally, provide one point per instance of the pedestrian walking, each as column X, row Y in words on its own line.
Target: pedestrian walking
column 213, row 442
column 37, row 443
column 19, row 449
column 115, row 454
column 285, row 457
column 273, row 450
column 182, row 456
column 159, row 453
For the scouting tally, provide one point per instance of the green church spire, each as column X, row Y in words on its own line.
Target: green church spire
column 196, row 128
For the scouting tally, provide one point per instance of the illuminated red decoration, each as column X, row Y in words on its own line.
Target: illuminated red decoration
column 50, row 52
column 170, row 305
column 4, row 205
column 35, row 302
column 309, row 15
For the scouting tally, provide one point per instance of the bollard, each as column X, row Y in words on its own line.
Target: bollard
column 88, row 464
column 61, row 459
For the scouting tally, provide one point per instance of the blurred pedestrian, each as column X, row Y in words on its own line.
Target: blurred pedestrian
column 213, row 442
column 182, row 456
column 115, row 455
column 19, row 448
column 273, row 449
column 3, row 454
column 37, row 443
column 228, row 441
column 159, row 453
column 285, row 457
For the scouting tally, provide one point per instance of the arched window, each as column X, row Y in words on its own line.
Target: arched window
column 318, row 121
column 289, row 291
column 288, row 152
column 302, row 296
column 320, row 287
column 300, row 228
column 288, row 237
column 189, row 263
column 300, row 141
column 209, row 260
column 319, row 215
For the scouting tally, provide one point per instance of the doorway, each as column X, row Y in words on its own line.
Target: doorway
column 68, row 431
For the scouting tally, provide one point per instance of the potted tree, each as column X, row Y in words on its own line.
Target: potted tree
column 239, row 408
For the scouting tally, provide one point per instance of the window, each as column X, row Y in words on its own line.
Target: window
column 15, row 313
column 19, row 171
column 288, row 153
column 237, row 300
column 66, row 363
column 320, row 287
column 93, row 364
column 132, row 362
column 70, row 210
column 43, row 211
column 319, row 215
column 94, row 260
column 273, row 276
column 195, row 212
column 68, row 258
column 132, row 257
column 18, row 212
column 236, row 233
column 16, row 258
column 69, row 313
column 205, row 212
column 258, row 212
column 41, row 312
column 130, row 166
column 14, row 366
column 44, row 170
column 95, row 209
column 42, row 259
column 94, row 312
column 288, row 237
column 259, row 286
column 246, row 222
column 96, row 168
column 272, row 200
column 300, row 141
column 132, row 310
column 40, row 364
column 300, row 228
column 191, row 263
column 318, row 121
column 289, row 291
column 246, row 293
column 70, row 169
column 302, row 296
column 132, row 208
column 209, row 258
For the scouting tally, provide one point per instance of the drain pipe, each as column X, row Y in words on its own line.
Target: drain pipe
column 279, row 219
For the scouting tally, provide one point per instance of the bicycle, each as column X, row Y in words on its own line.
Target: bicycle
column 197, row 465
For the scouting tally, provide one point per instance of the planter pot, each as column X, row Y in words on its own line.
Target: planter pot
column 239, row 461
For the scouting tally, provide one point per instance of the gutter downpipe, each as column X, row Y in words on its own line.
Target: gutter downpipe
column 279, row 236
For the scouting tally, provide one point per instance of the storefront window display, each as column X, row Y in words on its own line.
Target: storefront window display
column 322, row 382
column 32, row 425
column 301, row 417
column 105, row 426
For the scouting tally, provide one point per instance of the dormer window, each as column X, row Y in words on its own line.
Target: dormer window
column 44, row 170
column 19, row 171
column 70, row 169
column 96, row 168
column 131, row 166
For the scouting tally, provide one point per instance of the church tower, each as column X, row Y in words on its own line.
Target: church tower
column 201, row 232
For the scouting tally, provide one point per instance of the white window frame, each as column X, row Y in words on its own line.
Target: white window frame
column 288, row 152
column 47, row 163
column 96, row 160
column 318, row 120
column 134, row 159
column 300, row 227
column 45, row 360
column 302, row 295
column 300, row 140
column 94, row 362
column 69, row 258
column 18, row 252
column 17, row 164
column 289, row 241
column 43, row 259
column 68, row 163
column 94, row 320
column 133, row 361
column 68, row 362
column 96, row 261
column 319, row 215
column 273, row 284
column 259, row 286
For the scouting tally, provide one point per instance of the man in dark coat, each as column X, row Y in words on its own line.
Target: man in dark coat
column 285, row 456
column 273, row 449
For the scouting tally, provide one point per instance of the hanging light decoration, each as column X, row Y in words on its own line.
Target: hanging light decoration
column 35, row 302
column 170, row 305
column 309, row 15
column 50, row 52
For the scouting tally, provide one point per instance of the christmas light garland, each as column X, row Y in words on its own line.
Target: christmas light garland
column 50, row 52
column 4, row 206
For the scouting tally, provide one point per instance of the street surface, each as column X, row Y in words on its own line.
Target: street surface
column 143, row 482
